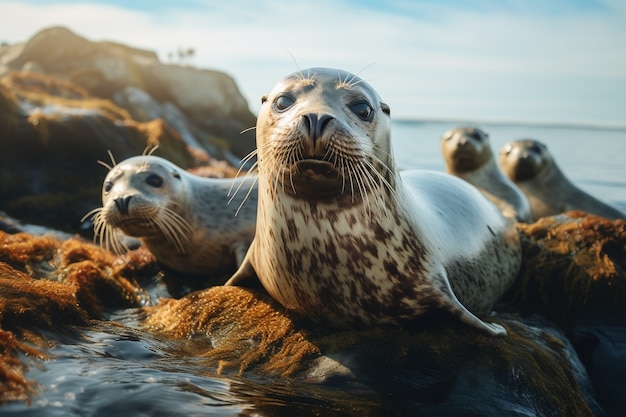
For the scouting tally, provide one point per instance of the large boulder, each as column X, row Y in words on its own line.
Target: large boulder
column 210, row 99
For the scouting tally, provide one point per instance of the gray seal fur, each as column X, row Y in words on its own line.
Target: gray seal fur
column 468, row 155
column 530, row 164
column 345, row 239
column 185, row 220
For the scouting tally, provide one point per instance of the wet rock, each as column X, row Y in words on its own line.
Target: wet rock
column 573, row 269
column 443, row 368
column 439, row 366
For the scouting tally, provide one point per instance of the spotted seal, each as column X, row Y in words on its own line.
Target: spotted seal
column 183, row 219
column 468, row 155
column 345, row 239
column 529, row 164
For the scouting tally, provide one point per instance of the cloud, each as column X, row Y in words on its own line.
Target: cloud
column 429, row 58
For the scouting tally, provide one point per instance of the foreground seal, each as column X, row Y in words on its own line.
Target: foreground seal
column 183, row 219
column 346, row 240
column 531, row 166
column 467, row 154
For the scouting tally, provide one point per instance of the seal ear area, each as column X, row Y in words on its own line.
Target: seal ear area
column 385, row 108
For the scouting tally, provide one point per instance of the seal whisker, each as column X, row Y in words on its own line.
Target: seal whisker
column 244, row 161
column 175, row 228
column 250, row 190
column 247, row 130
column 150, row 149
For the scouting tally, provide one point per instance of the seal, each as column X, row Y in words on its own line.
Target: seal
column 183, row 219
column 345, row 239
column 530, row 164
column 468, row 155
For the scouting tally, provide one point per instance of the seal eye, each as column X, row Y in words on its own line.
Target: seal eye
column 108, row 186
column 154, row 180
column 282, row 103
column 363, row 110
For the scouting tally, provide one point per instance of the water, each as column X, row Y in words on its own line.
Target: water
column 117, row 369
column 594, row 159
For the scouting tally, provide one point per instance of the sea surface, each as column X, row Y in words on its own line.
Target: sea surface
column 114, row 370
column 593, row 158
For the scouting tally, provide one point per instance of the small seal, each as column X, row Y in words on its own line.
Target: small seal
column 468, row 155
column 345, row 239
column 183, row 219
column 531, row 166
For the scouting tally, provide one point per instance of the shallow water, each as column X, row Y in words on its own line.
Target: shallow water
column 594, row 159
column 116, row 369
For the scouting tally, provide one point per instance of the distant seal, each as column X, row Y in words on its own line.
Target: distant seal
column 531, row 166
column 467, row 154
column 183, row 219
column 346, row 240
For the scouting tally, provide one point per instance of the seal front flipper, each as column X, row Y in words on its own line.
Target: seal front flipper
column 245, row 276
column 450, row 303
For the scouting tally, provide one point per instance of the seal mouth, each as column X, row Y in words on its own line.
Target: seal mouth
column 314, row 168
column 524, row 170
column 314, row 178
column 138, row 227
column 465, row 161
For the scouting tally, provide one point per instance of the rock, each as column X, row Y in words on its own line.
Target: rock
column 51, row 130
column 433, row 371
column 573, row 269
column 48, row 288
column 437, row 367
column 209, row 99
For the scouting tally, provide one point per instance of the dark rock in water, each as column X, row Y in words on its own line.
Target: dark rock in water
column 445, row 368
column 64, row 292
column 573, row 269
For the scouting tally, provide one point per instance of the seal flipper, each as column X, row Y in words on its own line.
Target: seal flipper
column 453, row 305
column 245, row 276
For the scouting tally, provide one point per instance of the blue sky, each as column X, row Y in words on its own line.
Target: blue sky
column 482, row 60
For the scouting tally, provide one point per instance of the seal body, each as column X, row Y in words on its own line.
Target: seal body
column 468, row 155
column 531, row 166
column 346, row 240
column 183, row 219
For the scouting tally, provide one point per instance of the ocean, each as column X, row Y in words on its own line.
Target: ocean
column 593, row 158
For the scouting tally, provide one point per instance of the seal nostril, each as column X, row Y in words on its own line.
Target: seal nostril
column 316, row 124
column 322, row 122
column 123, row 203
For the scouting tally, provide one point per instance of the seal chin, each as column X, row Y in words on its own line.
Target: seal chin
column 138, row 227
column 524, row 171
column 465, row 161
column 314, row 178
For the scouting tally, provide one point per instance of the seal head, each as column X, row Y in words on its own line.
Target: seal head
column 468, row 155
column 531, row 165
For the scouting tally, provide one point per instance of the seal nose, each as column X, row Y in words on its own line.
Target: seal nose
column 315, row 124
column 122, row 203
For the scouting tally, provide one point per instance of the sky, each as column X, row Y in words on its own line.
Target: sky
column 538, row 61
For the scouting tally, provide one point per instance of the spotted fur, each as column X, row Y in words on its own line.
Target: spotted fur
column 342, row 237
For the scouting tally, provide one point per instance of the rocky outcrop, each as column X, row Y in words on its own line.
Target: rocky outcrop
column 209, row 99
column 438, row 366
column 66, row 102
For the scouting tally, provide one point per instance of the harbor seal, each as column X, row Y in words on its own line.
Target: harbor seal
column 183, row 219
column 531, row 166
column 343, row 238
column 468, row 155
